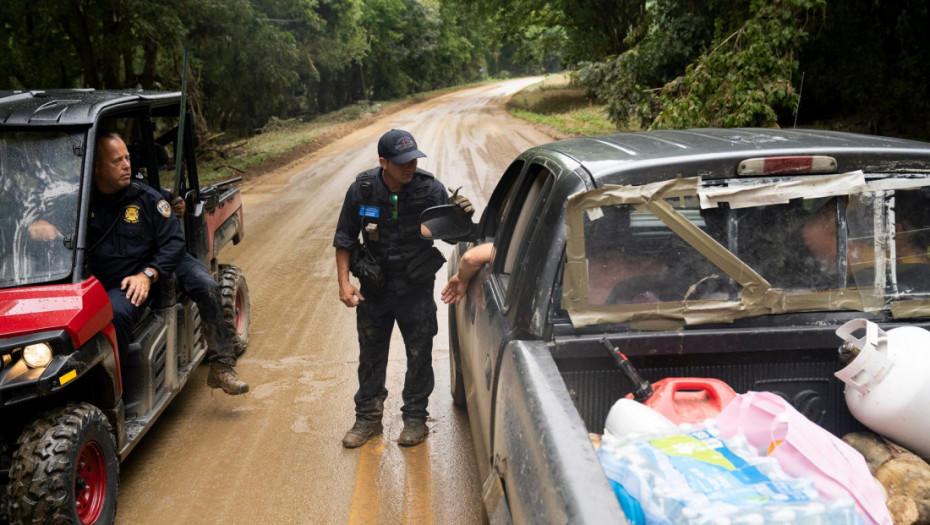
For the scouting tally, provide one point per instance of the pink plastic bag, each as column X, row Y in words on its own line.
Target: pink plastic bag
column 805, row 449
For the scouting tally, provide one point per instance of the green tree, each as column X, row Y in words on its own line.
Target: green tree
column 401, row 34
column 101, row 44
column 745, row 79
column 243, row 64
column 669, row 37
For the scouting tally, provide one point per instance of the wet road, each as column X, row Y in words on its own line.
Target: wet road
column 274, row 455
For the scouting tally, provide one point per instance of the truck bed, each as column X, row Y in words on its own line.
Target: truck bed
column 797, row 364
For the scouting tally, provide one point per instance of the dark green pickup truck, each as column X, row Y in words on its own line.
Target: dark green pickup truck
column 719, row 253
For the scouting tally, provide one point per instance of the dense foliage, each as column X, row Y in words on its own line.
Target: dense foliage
column 715, row 65
column 250, row 60
column 851, row 64
column 847, row 64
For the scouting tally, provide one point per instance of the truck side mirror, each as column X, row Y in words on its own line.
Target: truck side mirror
column 446, row 222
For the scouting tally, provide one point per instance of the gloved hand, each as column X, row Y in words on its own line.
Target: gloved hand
column 462, row 202
column 177, row 204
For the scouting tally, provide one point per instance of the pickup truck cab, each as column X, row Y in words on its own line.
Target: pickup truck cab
column 732, row 254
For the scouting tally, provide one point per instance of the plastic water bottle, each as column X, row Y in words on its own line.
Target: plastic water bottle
column 698, row 478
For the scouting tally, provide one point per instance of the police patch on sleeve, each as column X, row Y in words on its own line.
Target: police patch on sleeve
column 164, row 208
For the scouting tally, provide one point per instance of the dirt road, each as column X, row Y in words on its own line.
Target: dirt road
column 274, row 455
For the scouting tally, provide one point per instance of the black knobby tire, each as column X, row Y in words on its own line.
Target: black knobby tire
column 456, row 379
column 6, row 459
column 65, row 469
column 236, row 307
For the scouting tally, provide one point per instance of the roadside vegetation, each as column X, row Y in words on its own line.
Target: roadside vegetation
column 857, row 65
column 278, row 141
column 557, row 103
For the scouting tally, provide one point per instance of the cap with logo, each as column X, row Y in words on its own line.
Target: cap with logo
column 399, row 147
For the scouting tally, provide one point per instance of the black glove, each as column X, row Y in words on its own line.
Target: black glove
column 462, row 202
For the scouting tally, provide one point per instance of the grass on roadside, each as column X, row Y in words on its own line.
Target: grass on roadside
column 277, row 138
column 555, row 103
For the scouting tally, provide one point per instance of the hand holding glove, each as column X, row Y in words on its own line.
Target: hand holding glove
column 462, row 202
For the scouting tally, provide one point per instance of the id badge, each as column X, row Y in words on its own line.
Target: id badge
column 369, row 211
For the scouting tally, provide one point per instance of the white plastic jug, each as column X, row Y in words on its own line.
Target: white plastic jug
column 888, row 382
column 628, row 419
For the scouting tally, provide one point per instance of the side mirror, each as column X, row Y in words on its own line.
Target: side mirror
column 446, row 222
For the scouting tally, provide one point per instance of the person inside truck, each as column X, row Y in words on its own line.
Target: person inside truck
column 912, row 241
column 133, row 240
column 469, row 264
column 195, row 280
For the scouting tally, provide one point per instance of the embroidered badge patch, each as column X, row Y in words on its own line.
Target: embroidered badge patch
column 131, row 214
column 164, row 208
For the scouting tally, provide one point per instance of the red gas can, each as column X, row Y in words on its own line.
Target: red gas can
column 689, row 399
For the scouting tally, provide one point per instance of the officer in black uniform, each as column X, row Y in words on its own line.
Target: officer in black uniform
column 384, row 205
column 133, row 239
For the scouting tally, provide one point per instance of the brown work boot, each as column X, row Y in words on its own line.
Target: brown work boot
column 414, row 432
column 361, row 432
column 224, row 376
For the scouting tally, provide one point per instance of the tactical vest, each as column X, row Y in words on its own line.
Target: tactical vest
column 396, row 241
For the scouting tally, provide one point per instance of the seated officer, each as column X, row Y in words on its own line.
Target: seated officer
column 133, row 240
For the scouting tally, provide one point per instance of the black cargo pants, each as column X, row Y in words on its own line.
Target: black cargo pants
column 415, row 314
column 195, row 280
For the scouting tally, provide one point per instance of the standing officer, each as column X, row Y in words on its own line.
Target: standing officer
column 133, row 238
column 384, row 205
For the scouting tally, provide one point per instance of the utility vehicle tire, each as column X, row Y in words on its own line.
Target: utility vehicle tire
column 65, row 469
column 236, row 307
column 6, row 459
column 456, row 379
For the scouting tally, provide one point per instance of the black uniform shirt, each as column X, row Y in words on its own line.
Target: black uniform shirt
column 144, row 234
column 350, row 219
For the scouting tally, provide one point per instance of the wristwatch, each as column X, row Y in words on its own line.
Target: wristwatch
column 150, row 274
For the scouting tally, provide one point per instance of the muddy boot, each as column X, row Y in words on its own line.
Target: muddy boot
column 415, row 431
column 361, row 432
column 224, row 376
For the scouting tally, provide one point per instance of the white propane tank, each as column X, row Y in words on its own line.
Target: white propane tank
column 888, row 382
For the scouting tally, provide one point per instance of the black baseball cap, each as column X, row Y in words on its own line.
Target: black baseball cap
column 398, row 147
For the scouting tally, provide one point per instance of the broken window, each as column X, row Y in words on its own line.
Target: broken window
column 683, row 251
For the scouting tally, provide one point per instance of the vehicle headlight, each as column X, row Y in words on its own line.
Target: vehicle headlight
column 37, row 355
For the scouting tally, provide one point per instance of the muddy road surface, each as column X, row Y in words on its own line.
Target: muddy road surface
column 274, row 455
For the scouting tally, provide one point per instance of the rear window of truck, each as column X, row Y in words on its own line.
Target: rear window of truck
column 685, row 252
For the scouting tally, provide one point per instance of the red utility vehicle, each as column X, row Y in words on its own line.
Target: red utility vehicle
column 71, row 409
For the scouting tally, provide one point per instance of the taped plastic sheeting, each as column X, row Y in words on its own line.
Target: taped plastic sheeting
column 757, row 296
column 760, row 192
